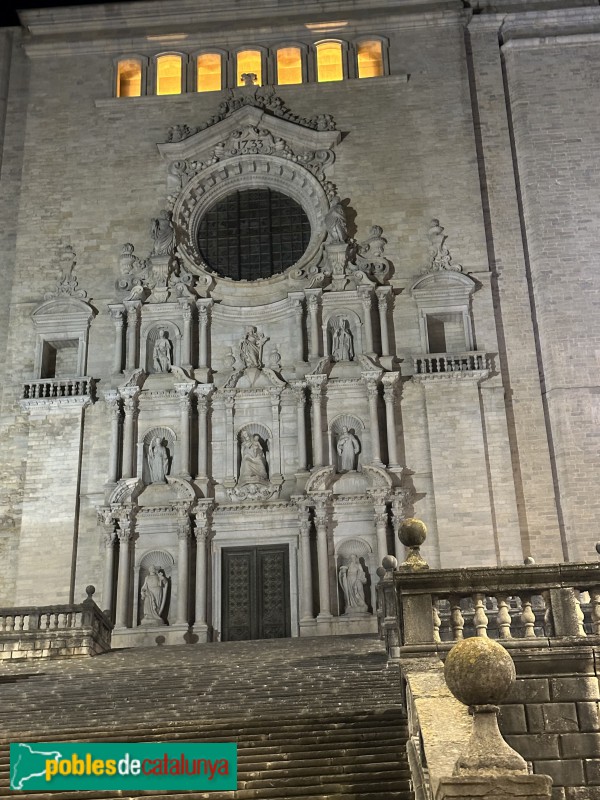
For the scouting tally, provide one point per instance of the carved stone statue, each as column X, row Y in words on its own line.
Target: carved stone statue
column 161, row 355
column 348, row 447
column 341, row 341
column 154, row 596
column 253, row 467
column 158, row 461
column 163, row 234
column 352, row 579
column 251, row 348
column 439, row 255
column 335, row 222
column 249, row 78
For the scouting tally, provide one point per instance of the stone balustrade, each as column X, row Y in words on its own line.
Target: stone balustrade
column 53, row 388
column 450, row 363
column 54, row 631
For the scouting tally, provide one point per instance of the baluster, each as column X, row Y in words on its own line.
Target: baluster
column 2, row 623
column 10, row 623
column 503, row 617
column 579, row 613
column 436, row 619
column 456, row 618
column 21, row 622
column 480, row 620
column 595, row 601
column 527, row 617
column 548, row 618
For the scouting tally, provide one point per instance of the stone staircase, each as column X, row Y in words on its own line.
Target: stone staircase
column 314, row 719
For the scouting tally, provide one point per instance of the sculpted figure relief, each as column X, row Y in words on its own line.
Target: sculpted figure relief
column 352, row 579
column 158, row 461
column 161, row 355
column 253, row 467
column 335, row 222
column 163, row 234
column 154, row 596
column 251, row 347
column 348, row 447
column 342, row 348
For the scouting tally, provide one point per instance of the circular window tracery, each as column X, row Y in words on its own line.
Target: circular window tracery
column 253, row 233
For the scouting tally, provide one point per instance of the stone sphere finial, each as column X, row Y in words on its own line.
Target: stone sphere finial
column 598, row 548
column 529, row 560
column 412, row 533
column 380, row 572
column 389, row 563
column 90, row 590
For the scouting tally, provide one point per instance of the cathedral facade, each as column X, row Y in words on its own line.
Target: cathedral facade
column 277, row 277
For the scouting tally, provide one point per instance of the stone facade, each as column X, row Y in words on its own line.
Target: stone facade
column 156, row 415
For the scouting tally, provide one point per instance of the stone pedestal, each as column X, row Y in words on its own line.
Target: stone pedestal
column 503, row 787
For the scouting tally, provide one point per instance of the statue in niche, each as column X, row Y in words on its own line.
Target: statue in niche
column 161, row 355
column 154, row 596
column 341, row 341
column 251, row 347
column 335, row 222
column 348, row 447
column 163, row 234
column 353, row 578
column 253, row 467
column 158, row 461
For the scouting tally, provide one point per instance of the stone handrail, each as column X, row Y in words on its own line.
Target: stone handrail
column 50, row 388
column 440, row 363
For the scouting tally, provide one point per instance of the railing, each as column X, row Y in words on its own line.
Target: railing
column 445, row 363
column 49, row 388
column 39, row 619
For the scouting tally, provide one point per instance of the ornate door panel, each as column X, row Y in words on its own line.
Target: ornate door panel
column 256, row 593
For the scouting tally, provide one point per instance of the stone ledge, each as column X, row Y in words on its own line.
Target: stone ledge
column 502, row 787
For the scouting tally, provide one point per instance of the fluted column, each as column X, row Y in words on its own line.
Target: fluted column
column 296, row 299
column 312, row 298
column 202, row 533
column 109, row 537
column 203, row 393
column 183, row 394
column 183, row 566
column 130, row 405
column 316, row 383
column 186, row 341
column 306, row 590
column 125, row 535
column 373, row 394
column 231, row 443
column 381, row 524
column 117, row 313
column 322, row 558
column 203, row 305
column 399, row 513
column 133, row 310
column 113, row 401
column 390, row 381
column 366, row 300
column 275, row 393
column 383, row 293
column 300, row 395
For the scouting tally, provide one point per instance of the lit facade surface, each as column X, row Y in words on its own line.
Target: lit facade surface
column 250, row 324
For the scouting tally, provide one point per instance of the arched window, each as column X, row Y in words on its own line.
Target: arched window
column 168, row 74
column 289, row 65
column 129, row 78
column 370, row 59
column 330, row 66
column 249, row 62
column 208, row 76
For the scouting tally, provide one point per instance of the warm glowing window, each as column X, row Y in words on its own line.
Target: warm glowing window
column 129, row 78
column 249, row 62
column 289, row 65
column 168, row 74
column 370, row 60
column 209, row 72
column 329, row 62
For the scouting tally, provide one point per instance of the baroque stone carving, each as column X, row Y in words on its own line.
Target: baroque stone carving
column 67, row 284
column 367, row 257
column 335, row 221
column 251, row 348
column 154, row 596
column 348, row 448
column 439, row 257
column 342, row 345
column 158, row 461
column 162, row 358
column 163, row 234
column 356, row 263
column 253, row 467
column 352, row 578
column 250, row 140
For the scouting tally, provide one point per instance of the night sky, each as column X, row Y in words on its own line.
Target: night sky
column 8, row 13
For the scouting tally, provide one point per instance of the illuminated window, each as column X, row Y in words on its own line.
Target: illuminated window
column 329, row 62
column 370, row 60
column 289, row 65
column 249, row 62
column 129, row 78
column 168, row 74
column 209, row 72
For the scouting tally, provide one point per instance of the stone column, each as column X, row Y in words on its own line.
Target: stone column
column 125, row 535
column 390, row 381
column 383, row 293
column 183, row 394
column 186, row 342
column 117, row 313
column 133, row 311
column 399, row 513
column 373, row 394
column 203, row 393
column 296, row 299
column 203, row 305
column 109, row 537
column 183, row 566
column 312, row 299
column 306, row 589
column 231, row 444
column 113, row 401
column 202, row 533
column 275, row 394
column 316, row 383
column 321, row 509
column 366, row 294
column 130, row 404
column 300, row 395
column 381, row 523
